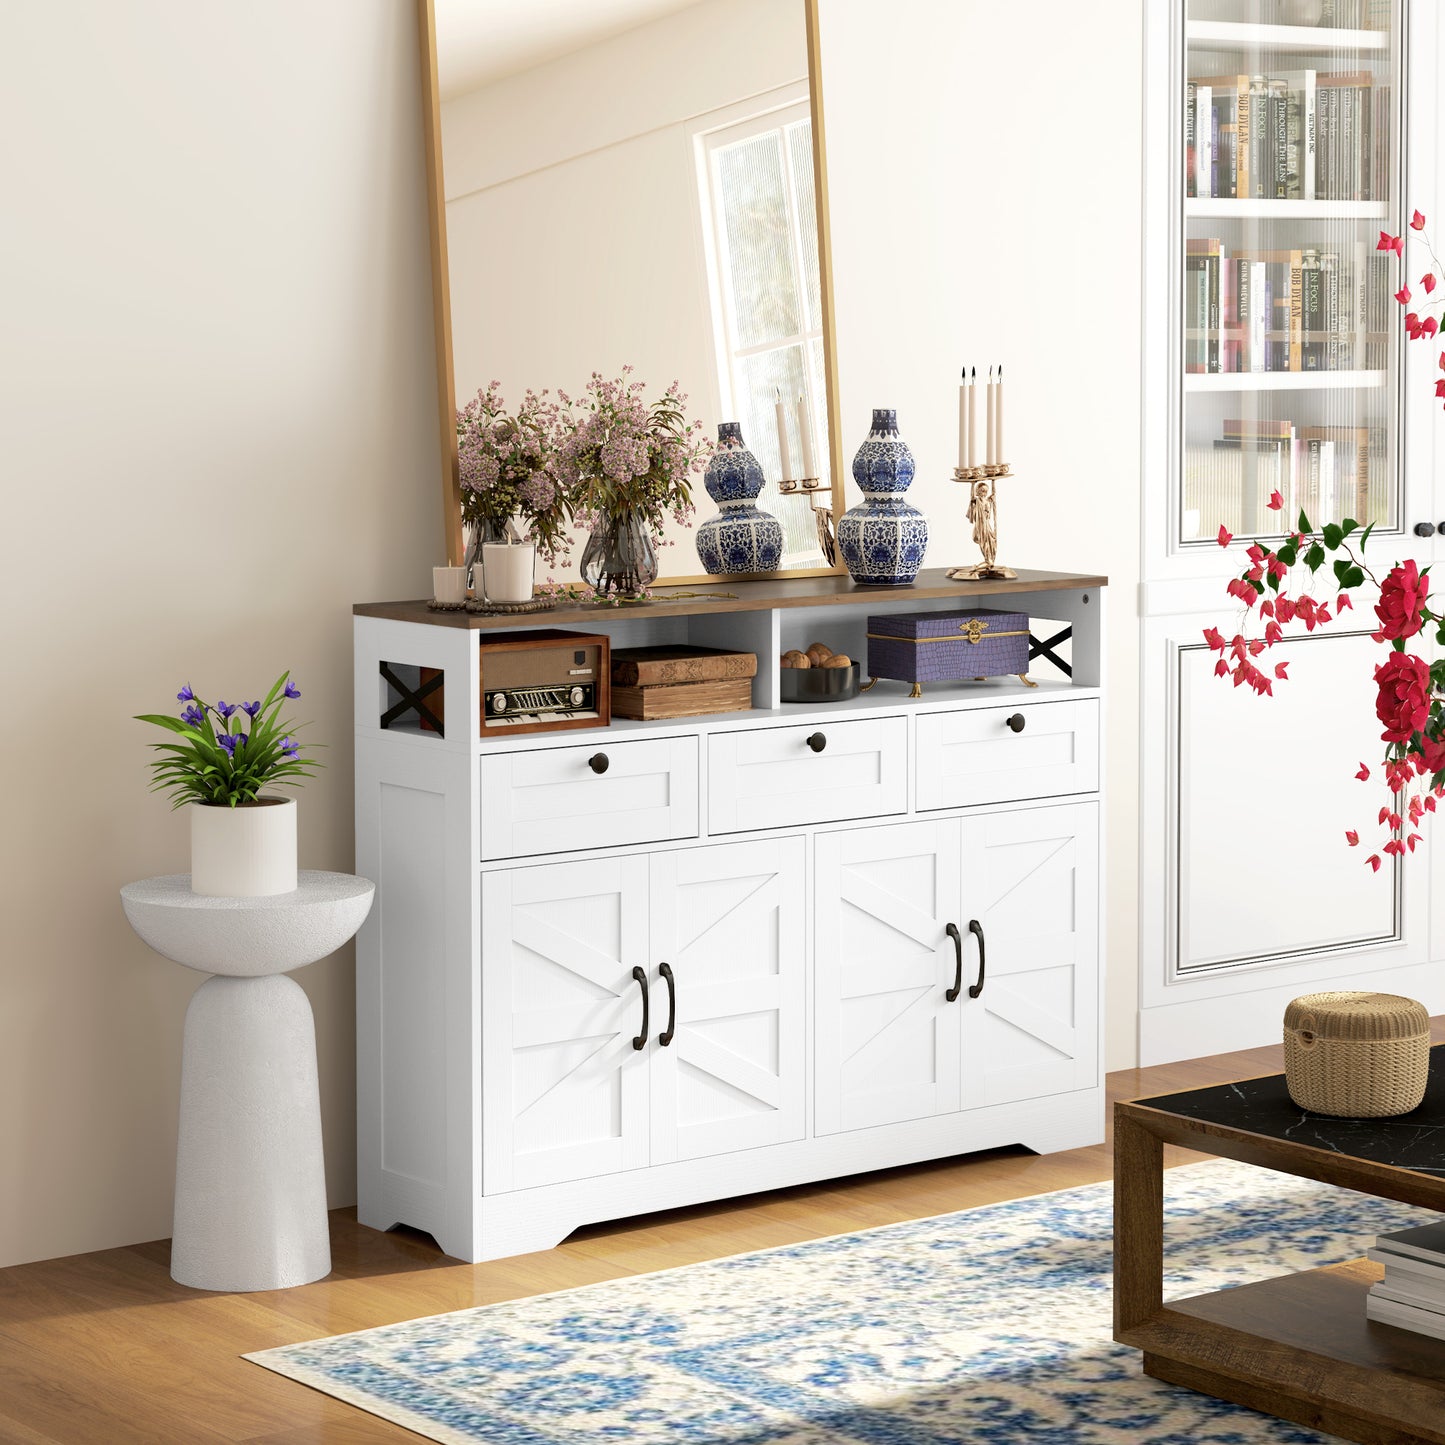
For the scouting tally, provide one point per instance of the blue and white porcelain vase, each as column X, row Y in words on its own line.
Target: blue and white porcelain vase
column 742, row 537
column 883, row 539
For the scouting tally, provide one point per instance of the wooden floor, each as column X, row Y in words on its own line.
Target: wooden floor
column 105, row 1348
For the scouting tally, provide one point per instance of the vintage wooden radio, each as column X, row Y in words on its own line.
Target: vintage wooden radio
column 546, row 680
column 921, row 647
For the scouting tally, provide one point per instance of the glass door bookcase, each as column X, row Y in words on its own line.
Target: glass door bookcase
column 1281, row 138
column 1290, row 338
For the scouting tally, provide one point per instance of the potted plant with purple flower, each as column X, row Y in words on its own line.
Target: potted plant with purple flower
column 505, row 467
column 624, row 463
column 218, row 760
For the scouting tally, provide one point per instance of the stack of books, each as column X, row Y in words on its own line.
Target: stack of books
column 1298, row 135
column 1285, row 310
column 680, row 681
column 1412, row 1294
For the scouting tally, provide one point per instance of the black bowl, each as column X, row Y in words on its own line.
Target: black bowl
column 819, row 684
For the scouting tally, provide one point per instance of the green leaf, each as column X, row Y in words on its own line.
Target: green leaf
column 1341, row 566
column 161, row 720
column 1273, row 581
column 1354, row 577
column 1288, row 554
column 1333, row 536
column 1305, row 524
column 1365, row 535
column 1315, row 557
column 1349, row 525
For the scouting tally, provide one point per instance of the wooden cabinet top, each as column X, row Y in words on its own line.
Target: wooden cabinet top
column 769, row 594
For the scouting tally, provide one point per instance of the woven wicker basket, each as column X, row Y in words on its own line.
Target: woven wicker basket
column 1356, row 1055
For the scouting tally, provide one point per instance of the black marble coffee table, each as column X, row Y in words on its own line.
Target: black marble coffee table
column 1298, row 1347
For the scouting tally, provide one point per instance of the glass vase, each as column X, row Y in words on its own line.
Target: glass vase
column 619, row 559
column 480, row 533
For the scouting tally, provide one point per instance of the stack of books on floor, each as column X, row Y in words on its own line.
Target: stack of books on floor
column 649, row 683
column 1412, row 1294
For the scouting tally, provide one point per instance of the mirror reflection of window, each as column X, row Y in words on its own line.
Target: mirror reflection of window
column 760, row 224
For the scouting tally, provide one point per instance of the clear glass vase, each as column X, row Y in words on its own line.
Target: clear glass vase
column 619, row 559
column 478, row 534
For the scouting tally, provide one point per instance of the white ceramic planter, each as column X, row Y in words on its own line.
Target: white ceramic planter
column 507, row 571
column 244, row 852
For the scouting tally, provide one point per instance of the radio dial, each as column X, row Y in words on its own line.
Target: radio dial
column 577, row 696
column 499, row 702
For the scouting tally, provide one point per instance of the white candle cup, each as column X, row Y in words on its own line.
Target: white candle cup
column 449, row 584
column 805, row 438
column 507, row 571
column 785, row 455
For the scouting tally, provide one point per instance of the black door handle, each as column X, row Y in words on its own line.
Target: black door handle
column 665, row 1037
column 1016, row 722
column 975, row 927
column 817, row 742
column 1424, row 529
column 598, row 763
column 952, row 994
column 641, row 978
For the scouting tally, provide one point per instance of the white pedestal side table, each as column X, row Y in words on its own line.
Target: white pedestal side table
column 250, row 1209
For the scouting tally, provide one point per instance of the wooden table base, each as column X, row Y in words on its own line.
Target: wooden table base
column 1298, row 1347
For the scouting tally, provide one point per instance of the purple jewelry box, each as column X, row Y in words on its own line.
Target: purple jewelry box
column 921, row 647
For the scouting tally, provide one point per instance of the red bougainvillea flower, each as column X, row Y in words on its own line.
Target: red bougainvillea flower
column 1402, row 295
column 1386, row 242
column 1238, row 587
column 1276, row 502
column 1440, row 387
column 1279, row 671
column 1225, row 538
column 1432, row 755
column 1417, row 221
column 1214, row 638
column 1374, row 861
column 1403, row 702
column 1412, row 325
column 1364, row 774
column 1429, row 326
column 1352, row 838
column 1402, row 602
column 1442, row 361
column 1343, row 601
column 1428, row 282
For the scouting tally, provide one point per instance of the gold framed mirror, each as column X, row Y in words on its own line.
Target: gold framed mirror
column 674, row 219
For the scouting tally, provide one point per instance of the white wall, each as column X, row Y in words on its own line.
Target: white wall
column 984, row 178
column 572, row 211
column 216, row 433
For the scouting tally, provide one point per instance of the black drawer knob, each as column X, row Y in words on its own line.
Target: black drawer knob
column 598, row 763
column 1017, row 721
column 1424, row 529
column 817, row 742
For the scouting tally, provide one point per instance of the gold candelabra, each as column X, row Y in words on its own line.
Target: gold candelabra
column 982, row 483
column 822, row 515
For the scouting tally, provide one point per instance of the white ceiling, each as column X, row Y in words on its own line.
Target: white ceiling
column 478, row 41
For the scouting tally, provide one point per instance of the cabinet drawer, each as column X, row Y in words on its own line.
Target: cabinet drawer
column 777, row 778
column 977, row 757
column 555, row 800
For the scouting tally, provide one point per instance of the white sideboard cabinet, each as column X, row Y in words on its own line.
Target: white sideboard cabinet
column 730, row 959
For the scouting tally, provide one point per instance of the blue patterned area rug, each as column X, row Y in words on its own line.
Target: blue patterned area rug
column 991, row 1325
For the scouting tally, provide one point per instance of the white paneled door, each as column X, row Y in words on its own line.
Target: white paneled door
column 1031, row 883
column 728, row 924
column 565, row 1092
column 887, row 1036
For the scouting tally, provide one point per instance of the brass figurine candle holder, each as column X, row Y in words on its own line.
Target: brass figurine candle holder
column 983, row 513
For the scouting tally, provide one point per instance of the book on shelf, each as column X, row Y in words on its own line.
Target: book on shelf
column 1423, row 1242
column 1405, row 1317
column 1423, row 1283
column 660, row 665
column 683, row 699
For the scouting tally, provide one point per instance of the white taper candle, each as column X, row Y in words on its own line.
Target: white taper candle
column 973, row 419
column 805, row 437
column 785, row 456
